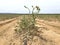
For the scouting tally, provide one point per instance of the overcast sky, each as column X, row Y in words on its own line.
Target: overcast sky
column 17, row 6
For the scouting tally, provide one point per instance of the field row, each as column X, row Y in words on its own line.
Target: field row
column 45, row 17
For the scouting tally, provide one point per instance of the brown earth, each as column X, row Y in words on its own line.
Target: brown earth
column 49, row 32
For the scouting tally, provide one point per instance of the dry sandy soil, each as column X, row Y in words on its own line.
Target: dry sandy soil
column 49, row 32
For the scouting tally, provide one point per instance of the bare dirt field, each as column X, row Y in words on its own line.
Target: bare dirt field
column 49, row 32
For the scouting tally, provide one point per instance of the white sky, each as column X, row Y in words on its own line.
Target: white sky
column 17, row 6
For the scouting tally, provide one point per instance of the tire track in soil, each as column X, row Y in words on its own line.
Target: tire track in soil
column 49, row 34
column 7, row 31
column 49, row 25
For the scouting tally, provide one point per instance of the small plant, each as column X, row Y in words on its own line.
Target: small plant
column 33, row 14
column 27, row 27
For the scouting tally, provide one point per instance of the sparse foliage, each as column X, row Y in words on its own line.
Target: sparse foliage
column 27, row 26
column 33, row 14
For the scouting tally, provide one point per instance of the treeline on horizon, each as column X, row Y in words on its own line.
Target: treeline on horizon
column 24, row 14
